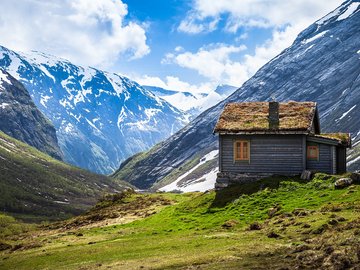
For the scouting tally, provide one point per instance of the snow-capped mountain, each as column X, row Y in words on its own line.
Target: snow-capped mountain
column 322, row 65
column 192, row 103
column 20, row 118
column 100, row 118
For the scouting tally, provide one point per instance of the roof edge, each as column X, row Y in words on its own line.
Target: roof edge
column 265, row 132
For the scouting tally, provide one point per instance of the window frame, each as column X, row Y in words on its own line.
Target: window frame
column 308, row 152
column 241, row 158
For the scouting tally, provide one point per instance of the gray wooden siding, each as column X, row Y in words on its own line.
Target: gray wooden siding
column 333, row 156
column 220, row 154
column 281, row 154
column 324, row 164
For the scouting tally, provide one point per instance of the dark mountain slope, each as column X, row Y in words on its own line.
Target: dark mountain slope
column 35, row 186
column 20, row 118
column 322, row 65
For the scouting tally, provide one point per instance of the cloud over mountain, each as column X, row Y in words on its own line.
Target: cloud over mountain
column 88, row 32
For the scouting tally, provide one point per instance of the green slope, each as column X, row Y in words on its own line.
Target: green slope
column 277, row 223
column 35, row 186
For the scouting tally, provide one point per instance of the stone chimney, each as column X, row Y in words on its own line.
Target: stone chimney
column 273, row 115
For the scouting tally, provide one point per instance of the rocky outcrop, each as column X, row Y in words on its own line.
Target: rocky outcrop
column 20, row 118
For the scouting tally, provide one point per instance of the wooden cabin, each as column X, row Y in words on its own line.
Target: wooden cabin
column 262, row 138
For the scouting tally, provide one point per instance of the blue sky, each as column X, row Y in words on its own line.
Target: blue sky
column 189, row 45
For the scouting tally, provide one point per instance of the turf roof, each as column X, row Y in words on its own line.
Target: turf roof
column 342, row 138
column 254, row 117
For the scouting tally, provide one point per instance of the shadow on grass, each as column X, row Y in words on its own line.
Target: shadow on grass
column 229, row 194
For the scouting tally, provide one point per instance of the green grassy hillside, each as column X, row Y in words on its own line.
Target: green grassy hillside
column 34, row 186
column 276, row 223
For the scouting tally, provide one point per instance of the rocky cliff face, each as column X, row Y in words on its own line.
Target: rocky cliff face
column 101, row 118
column 20, row 119
column 322, row 65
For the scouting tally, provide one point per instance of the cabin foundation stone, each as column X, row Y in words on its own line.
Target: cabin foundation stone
column 225, row 179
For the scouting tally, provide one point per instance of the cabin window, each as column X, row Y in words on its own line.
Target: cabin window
column 241, row 150
column 313, row 152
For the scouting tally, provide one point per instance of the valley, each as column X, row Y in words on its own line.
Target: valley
column 276, row 223
column 36, row 187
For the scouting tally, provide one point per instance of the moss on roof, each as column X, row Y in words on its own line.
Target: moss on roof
column 343, row 138
column 254, row 116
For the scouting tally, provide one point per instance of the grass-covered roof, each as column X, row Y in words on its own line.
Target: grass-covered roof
column 254, row 117
column 342, row 138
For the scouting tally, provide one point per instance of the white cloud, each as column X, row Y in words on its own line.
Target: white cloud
column 179, row 49
column 83, row 31
column 217, row 66
column 192, row 25
column 255, row 13
column 212, row 62
column 286, row 19
column 174, row 83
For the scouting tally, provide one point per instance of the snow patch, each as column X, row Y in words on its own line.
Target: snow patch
column 208, row 183
column 88, row 74
column 68, row 128
column 353, row 161
column 151, row 113
column 46, row 72
column 357, row 134
column 39, row 58
column 4, row 77
column 121, row 117
column 79, row 98
column 329, row 16
column 67, row 81
column 306, row 41
column 14, row 65
column 347, row 112
column 92, row 125
column 44, row 100
column 4, row 105
column 65, row 103
column 204, row 183
column 77, row 117
column 116, row 82
column 145, row 125
column 60, row 202
column 349, row 11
